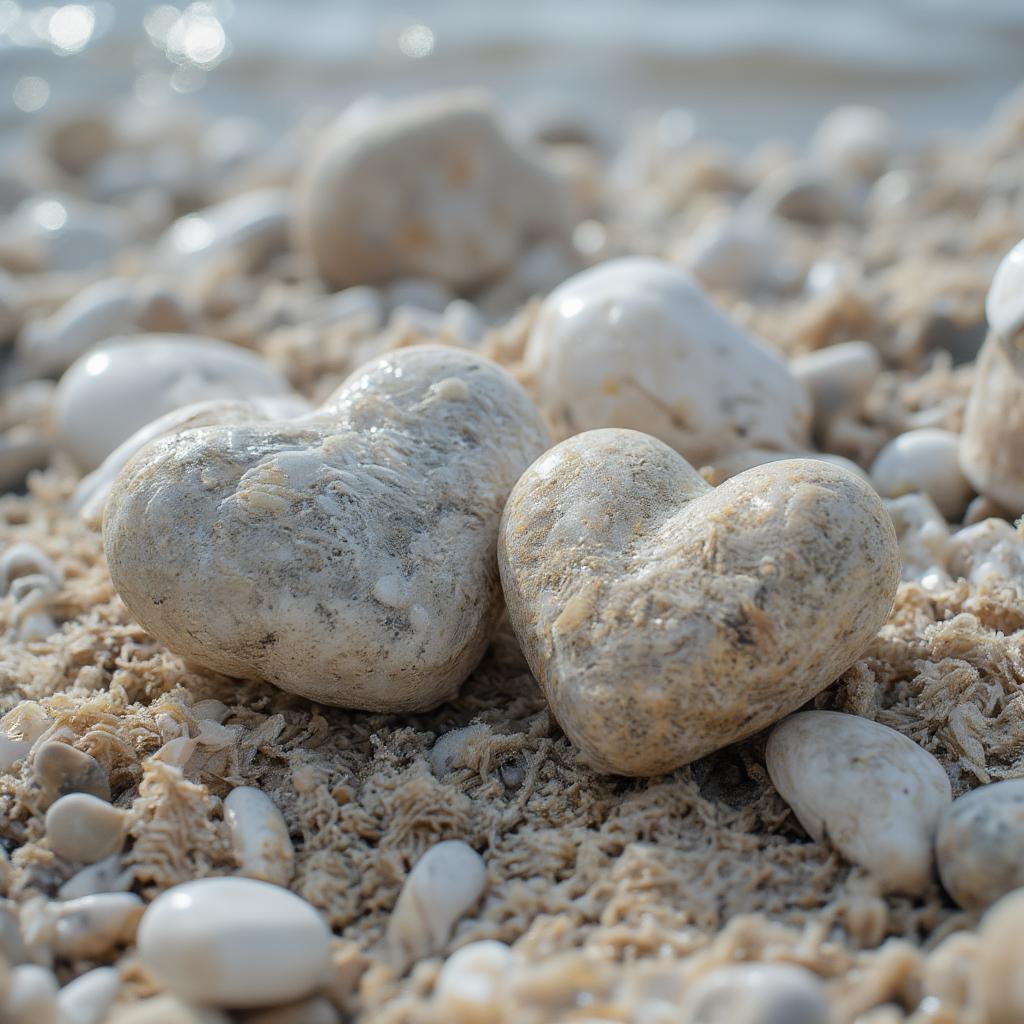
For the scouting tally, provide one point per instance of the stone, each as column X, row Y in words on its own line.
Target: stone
column 137, row 378
column 665, row 619
column 924, row 461
column 234, row 942
column 259, row 835
column 980, row 844
column 347, row 557
column 84, row 829
column 756, row 993
column 431, row 187
column 469, row 984
column 637, row 343
column 864, row 788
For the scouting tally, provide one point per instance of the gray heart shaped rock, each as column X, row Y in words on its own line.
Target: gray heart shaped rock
column 348, row 556
column 665, row 619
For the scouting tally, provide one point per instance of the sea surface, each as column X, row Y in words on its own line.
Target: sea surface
column 745, row 69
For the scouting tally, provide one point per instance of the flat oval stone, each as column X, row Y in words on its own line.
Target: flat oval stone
column 234, row 942
column 111, row 391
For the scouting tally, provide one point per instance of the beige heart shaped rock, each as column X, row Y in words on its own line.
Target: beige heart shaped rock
column 349, row 555
column 665, row 619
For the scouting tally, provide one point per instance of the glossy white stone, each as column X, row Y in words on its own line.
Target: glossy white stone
column 84, row 829
column 91, row 926
column 866, row 789
column 1004, row 304
column 636, row 343
column 234, row 942
column 87, row 999
column 133, row 380
column 469, row 984
column 259, row 835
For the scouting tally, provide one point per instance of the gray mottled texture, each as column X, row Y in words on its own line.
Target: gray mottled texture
column 348, row 556
column 664, row 619
column 980, row 845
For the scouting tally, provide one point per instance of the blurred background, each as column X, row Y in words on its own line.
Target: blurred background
column 744, row 69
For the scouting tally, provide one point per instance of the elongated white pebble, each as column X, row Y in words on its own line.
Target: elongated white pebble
column 93, row 925
column 87, row 999
column 999, row 963
column 469, row 984
column 867, row 789
column 1004, row 304
column 234, row 942
column 924, row 461
column 446, row 883
column 134, row 379
column 84, row 829
column 259, row 835
column 980, row 844
column 837, row 378
column 637, row 343
column 757, row 994
column 107, row 875
column 32, row 996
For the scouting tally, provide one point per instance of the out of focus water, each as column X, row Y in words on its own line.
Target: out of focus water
column 746, row 68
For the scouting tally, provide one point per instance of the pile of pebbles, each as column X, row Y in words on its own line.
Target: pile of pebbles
column 418, row 462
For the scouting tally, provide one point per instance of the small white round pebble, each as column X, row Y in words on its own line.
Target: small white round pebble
column 135, row 379
column 32, row 997
column 87, row 999
column 980, row 844
column 234, row 942
column 259, row 835
column 85, row 829
column 637, row 343
column 757, row 993
column 445, row 884
column 865, row 788
column 838, row 378
column 742, row 254
column 429, row 187
column 856, row 140
column 924, row 461
column 468, row 985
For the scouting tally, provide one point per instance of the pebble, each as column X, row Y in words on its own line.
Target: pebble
column 84, row 829
column 165, row 1010
column 135, row 379
column 107, row 875
column 234, row 942
column 310, row 1011
column 856, row 140
column 251, row 226
column 32, row 996
column 756, row 993
column 636, row 343
column 88, row 998
column 360, row 305
column 999, row 963
column 924, row 461
column 91, row 492
column 92, row 926
column 802, row 193
column 923, row 536
column 990, row 455
column 980, row 844
column 446, row 883
column 468, row 985
column 259, row 835
column 19, row 729
column 741, row 254
column 337, row 615
column 68, row 234
column 866, row 789
column 431, row 187
column 838, row 379
column 615, row 555
column 19, row 455
column 59, row 769
column 93, row 315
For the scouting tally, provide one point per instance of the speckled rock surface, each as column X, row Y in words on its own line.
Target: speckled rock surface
column 348, row 556
column 431, row 187
column 637, row 343
column 664, row 619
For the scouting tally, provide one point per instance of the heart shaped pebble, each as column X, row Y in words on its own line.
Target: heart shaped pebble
column 665, row 619
column 348, row 556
